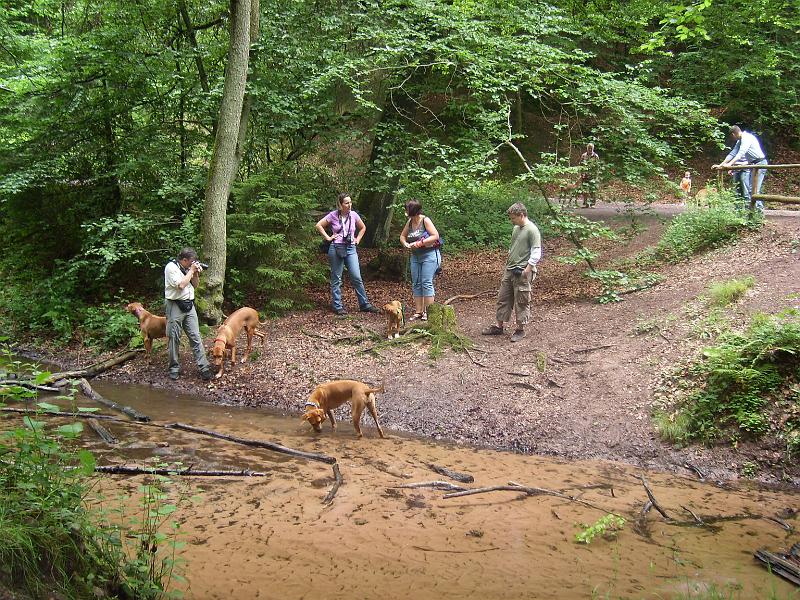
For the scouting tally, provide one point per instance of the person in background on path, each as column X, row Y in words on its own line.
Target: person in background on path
column 181, row 276
column 421, row 237
column 686, row 186
column 590, row 161
column 747, row 151
column 347, row 229
column 515, row 286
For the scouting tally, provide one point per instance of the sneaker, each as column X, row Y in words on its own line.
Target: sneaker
column 174, row 376
column 340, row 311
column 369, row 308
column 492, row 330
column 424, row 316
column 518, row 335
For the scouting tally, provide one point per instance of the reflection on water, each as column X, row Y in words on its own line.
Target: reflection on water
column 272, row 537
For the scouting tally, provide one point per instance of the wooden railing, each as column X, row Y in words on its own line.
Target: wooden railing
column 755, row 197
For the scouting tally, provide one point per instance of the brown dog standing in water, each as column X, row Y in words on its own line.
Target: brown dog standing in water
column 227, row 333
column 333, row 394
column 394, row 318
column 151, row 326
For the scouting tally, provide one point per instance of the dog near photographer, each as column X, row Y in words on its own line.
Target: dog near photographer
column 181, row 276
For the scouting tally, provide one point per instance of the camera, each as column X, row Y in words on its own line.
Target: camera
column 202, row 265
column 348, row 240
column 517, row 271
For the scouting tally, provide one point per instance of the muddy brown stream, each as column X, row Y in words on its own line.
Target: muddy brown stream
column 272, row 537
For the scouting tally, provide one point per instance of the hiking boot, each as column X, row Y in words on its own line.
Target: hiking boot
column 492, row 330
column 340, row 311
column 369, row 308
column 206, row 375
column 518, row 335
column 174, row 376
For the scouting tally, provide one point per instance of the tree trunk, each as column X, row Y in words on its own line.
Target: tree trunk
column 198, row 59
column 223, row 163
column 375, row 204
column 248, row 100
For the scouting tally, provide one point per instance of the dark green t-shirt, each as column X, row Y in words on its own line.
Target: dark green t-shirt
column 523, row 240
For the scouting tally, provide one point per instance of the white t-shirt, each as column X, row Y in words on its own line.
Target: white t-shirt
column 172, row 277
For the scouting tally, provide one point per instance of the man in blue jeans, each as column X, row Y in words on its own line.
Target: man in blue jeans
column 747, row 151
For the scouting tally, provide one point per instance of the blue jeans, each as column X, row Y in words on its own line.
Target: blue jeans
column 353, row 269
column 423, row 267
column 745, row 177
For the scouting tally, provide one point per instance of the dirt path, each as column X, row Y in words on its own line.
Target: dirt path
column 595, row 396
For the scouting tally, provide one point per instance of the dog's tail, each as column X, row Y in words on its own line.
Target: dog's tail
column 376, row 390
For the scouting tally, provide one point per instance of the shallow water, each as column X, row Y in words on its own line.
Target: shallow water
column 271, row 537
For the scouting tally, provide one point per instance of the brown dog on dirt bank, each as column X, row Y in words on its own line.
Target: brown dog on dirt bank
column 151, row 326
column 227, row 333
column 333, row 394
column 394, row 318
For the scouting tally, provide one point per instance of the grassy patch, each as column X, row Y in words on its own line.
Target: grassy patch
column 728, row 292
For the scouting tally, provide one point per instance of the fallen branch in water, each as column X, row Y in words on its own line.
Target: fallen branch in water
column 513, row 486
column 653, row 499
column 28, row 384
column 460, row 477
column 188, row 472
column 253, row 443
column 56, row 413
column 104, row 433
column 90, row 393
column 436, row 485
column 336, row 485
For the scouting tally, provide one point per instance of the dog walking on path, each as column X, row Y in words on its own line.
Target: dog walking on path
column 151, row 326
column 229, row 331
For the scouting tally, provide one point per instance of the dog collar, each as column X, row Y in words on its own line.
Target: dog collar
column 309, row 403
column 219, row 339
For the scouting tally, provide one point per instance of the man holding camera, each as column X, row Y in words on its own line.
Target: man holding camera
column 515, row 286
column 181, row 276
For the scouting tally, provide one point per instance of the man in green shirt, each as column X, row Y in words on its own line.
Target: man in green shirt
column 520, row 271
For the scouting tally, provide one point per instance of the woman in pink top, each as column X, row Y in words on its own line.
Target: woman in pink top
column 346, row 230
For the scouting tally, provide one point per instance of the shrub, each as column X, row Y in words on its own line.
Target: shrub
column 748, row 382
column 700, row 229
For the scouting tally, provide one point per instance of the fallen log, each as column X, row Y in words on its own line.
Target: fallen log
column 95, row 368
column 253, row 443
column 455, row 475
column 190, row 472
column 336, row 485
column 104, row 433
column 90, row 393
column 785, row 566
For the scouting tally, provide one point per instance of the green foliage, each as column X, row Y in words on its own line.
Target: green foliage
column 272, row 248
column 607, row 527
column 724, row 293
column 109, row 326
column 700, row 229
column 672, row 427
column 473, row 215
column 747, row 381
column 50, row 542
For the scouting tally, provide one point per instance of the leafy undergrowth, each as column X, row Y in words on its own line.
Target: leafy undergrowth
column 746, row 386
